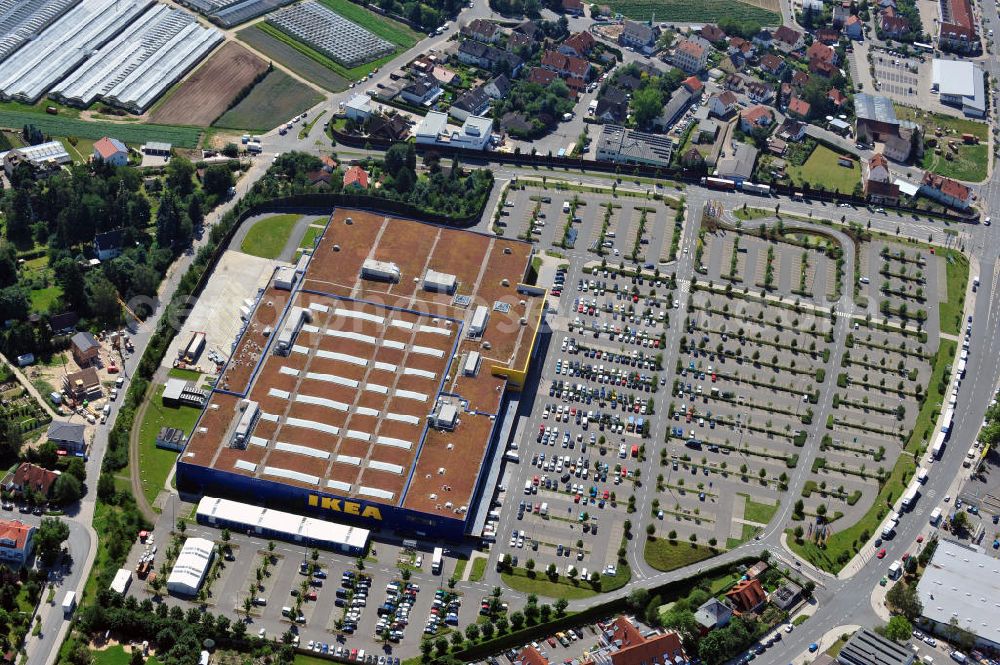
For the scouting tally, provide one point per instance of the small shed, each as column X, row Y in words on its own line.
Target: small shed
column 172, row 392
column 157, row 148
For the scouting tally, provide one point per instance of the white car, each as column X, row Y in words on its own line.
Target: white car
column 789, row 627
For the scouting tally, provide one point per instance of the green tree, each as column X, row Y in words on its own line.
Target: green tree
column 898, row 629
column 49, row 537
column 218, row 179
column 647, row 104
column 67, row 489
column 903, row 598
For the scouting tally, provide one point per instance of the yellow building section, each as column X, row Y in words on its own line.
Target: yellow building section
column 516, row 377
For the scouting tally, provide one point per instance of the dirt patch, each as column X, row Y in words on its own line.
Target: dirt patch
column 206, row 94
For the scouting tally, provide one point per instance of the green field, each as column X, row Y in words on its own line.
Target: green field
column 276, row 99
column 950, row 311
column 758, row 512
column 42, row 299
column 822, row 169
column 542, row 586
column 155, row 463
column 386, row 28
column 268, row 237
column 695, row 11
column 663, row 555
column 133, row 134
column 115, row 655
column 970, row 162
column 40, row 106
column 291, row 58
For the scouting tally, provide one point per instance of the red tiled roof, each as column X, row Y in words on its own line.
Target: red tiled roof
column 541, row 76
column 635, row 648
column 566, row 64
column 105, row 148
column 572, row 5
column 529, row 656
column 947, row 186
column 800, row 77
column 581, row 42
column 713, row 33
column 35, row 477
column 787, row 35
column 691, row 48
column 15, row 531
column 799, row 106
column 771, row 62
column 746, row 595
column 727, row 98
column 836, row 96
column 877, row 160
column 820, row 51
column 852, row 19
column 693, row 84
column 755, row 114
column 356, row 176
column 961, row 14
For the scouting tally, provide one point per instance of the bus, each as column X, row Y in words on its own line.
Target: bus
column 436, row 560
column 719, row 183
column 938, row 446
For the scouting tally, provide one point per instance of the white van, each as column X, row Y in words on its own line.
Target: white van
column 895, row 570
column 565, row 206
column 544, row 510
column 935, row 516
column 286, row 611
column 922, row 476
column 527, row 487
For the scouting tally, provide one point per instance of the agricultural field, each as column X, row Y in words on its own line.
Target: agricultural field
column 17, row 404
column 351, row 74
column 300, row 63
column 386, row 28
column 276, row 99
column 131, row 133
column 205, row 95
column 696, row 11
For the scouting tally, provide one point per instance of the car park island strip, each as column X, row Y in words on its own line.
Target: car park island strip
column 369, row 384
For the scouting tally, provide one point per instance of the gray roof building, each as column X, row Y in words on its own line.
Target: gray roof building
column 963, row 583
column 713, row 614
column 739, row 165
column 874, row 107
column 868, row 648
column 625, row 146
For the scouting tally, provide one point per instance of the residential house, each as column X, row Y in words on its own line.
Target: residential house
column 16, row 542
column 519, row 40
column 393, row 127
column 799, row 108
column 776, row 146
column 625, row 146
column 760, row 92
column 482, row 31
column 787, row 39
column 329, row 163
column 498, row 87
column 734, row 82
column 30, row 478
column 713, row 614
column 640, row 36
column 837, row 97
column 471, row 52
column 679, row 101
column 530, row 29
column 529, row 655
column 722, row 104
column 822, row 68
column 693, row 85
column 741, row 48
column 893, row 25
column 756, row 117
column 854, row 28
column 690, row 56
column 110, row 151
column 737, row 166
column 882, row 193
column 44, row 158
column 475, row 133
column 821, row 52
column 692, row 159
column 68, row 436
column 566, row 65
column 713, row 33
column 542, row 77
column 421, row 92
column 706, row 131
column 573, row 7
column 579, row 44
column 635, row 647
column 471, row 102
column 763, row 38
column 828, row 36
column 82, row 385
column 772, row 64
column 576, row 85
column 108, row 245
column 444, row 76
column 799, row 78
column 61, row 323
column 747, row 595
column 320, row 179
column 628, row 82
column 612, row 105
column 957, row 27
column 946, row 191
column 86, row 349
column 878, row 168
column 785, row 596
column 356, row 177
column 358, row 108
column 841, row 12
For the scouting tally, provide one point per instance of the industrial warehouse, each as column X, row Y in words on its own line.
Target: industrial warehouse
column 124, row 52
column 369, row 384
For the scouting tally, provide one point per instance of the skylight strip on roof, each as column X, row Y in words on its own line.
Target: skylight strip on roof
column 377, row 388
column 355, row 314
column 399, row 323
column 427, row 351
column 393, row 344
column 285, row 369
column 358, row 434
column 385, row 466
column 366, row 411
column 319, row 307
column 413, row 371
column 402, row 418
column 298, row 348
column 388, row 367
column 436, row 330
column 269, row 417
column 310, row 328
column 411, row 394
column 348, row 459
column 347, row 334
column 258, row 441
column 302, row 450
column 375, row 492
column 343, row 357
column 322, row 401
column 332, row 378
column 338, row 485
column 393, row 442
column 312, row 424
column 276, row 392
column 291, row 475
column 244, row 465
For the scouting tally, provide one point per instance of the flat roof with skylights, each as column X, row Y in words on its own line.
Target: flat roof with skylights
column 360, row 393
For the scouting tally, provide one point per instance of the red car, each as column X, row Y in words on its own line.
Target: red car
column 881, row 553
column 920, row 539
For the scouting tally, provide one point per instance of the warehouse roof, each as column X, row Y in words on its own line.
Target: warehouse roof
column 293, row 526
column 962, row 583
column 868, row 648
column 874, row 107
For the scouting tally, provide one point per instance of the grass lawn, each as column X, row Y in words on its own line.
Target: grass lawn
column 386, row 28
column 695, row 11
column 971, row 160
column 478, row 568
column 155, row 463
column 948, row 124
column 42, row 299
column 276, row 99
column 116, row 656
column 663, row 555
column 460, row 568
column 40, row 106
column 309, row 237
column 131, row 133
column 843, row 545
column 746, row 214
column 186, row 374
column 758, row 512
column 268, row 237
column 835, row 648
column 822, row 169
column 542, row 586
column 950, row 311
column 968, row 164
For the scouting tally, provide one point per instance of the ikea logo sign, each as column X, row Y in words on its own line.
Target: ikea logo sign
column 341, row 506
